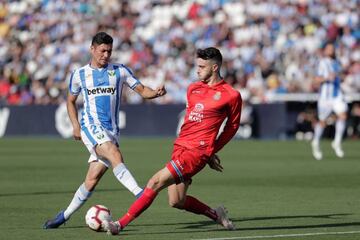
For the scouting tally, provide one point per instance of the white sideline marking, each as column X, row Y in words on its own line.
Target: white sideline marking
column 282, row 235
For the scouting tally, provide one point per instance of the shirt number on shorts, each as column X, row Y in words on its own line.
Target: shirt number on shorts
column 97, row 131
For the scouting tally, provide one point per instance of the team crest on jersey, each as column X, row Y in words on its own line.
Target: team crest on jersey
column 111, row 73
column 217, row 96
column 199, row 107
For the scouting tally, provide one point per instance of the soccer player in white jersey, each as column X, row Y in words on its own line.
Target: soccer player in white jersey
column 100, row 83
column 330, row 100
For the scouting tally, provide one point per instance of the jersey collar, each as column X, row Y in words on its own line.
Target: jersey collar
column 99, row 69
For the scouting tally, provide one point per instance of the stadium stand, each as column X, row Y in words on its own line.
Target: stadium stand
column 270, row 47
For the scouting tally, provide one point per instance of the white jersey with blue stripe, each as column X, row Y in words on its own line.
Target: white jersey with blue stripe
column 101, row 89
column 329, row 89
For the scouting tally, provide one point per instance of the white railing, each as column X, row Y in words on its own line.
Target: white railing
column 302, row 97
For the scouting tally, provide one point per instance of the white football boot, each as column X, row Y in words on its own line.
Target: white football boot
column 223, row 218
column 111, row 228
column 316, row 150
column 338, row 150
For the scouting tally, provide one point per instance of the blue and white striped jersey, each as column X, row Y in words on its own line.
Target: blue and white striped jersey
column 101, row 90
column 329, row 89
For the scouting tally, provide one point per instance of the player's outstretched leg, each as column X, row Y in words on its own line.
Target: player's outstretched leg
column 223, row 219
column 83, row 193
column 80, row 197
column 112, row 153
column 58, row 220
column 159, row 181
column 140, row 205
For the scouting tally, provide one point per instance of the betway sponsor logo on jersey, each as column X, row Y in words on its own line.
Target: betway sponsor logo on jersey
column 101, row 91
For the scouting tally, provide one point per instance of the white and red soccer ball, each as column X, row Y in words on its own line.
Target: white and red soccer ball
column 96, row 215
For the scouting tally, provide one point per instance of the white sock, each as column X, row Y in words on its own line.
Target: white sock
column 124, row 176
column 318, row 132
column 80, row 197
column 339, row 131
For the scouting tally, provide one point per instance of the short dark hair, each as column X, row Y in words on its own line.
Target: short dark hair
column 210, row 53
column 101, row 38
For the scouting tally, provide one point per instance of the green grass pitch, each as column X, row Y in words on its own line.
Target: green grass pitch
column 272, row 189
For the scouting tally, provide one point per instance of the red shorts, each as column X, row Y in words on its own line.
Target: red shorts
column 185, row 163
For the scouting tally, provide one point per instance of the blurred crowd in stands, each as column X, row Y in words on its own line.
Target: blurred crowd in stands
column 269, row 46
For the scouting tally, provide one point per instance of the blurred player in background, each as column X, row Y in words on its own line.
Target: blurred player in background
column 209, row 102
column 330, row 100
column 100, row 83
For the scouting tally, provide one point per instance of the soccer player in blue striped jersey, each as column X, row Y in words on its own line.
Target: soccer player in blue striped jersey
column 100, row 83
column 330, row 100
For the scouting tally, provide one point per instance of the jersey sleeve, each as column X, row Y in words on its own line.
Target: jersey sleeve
column 129, row 78
column 74, row 83
column 232, row 123
column 188, row 92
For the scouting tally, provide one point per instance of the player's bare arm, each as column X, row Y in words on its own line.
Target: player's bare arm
column 319, row 79
column 72, row 112
column 149, row 93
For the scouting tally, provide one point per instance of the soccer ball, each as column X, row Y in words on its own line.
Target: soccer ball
column 96, row 215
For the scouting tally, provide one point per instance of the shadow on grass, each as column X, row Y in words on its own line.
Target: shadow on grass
column 203, row 226
column 324, row 216
column 83, row 226
column 239, row 220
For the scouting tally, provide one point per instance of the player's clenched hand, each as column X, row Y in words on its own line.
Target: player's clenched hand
column 76, row 134
column 160, row 91
column 214, row 163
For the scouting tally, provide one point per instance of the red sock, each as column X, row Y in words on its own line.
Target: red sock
column 140, row 205
column 195, row 206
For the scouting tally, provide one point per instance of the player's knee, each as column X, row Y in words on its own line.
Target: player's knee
column 153, row 183
column 159, row 181
column 176, row 203
column 114, row 157
column 114, row 151
column 111, row 152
